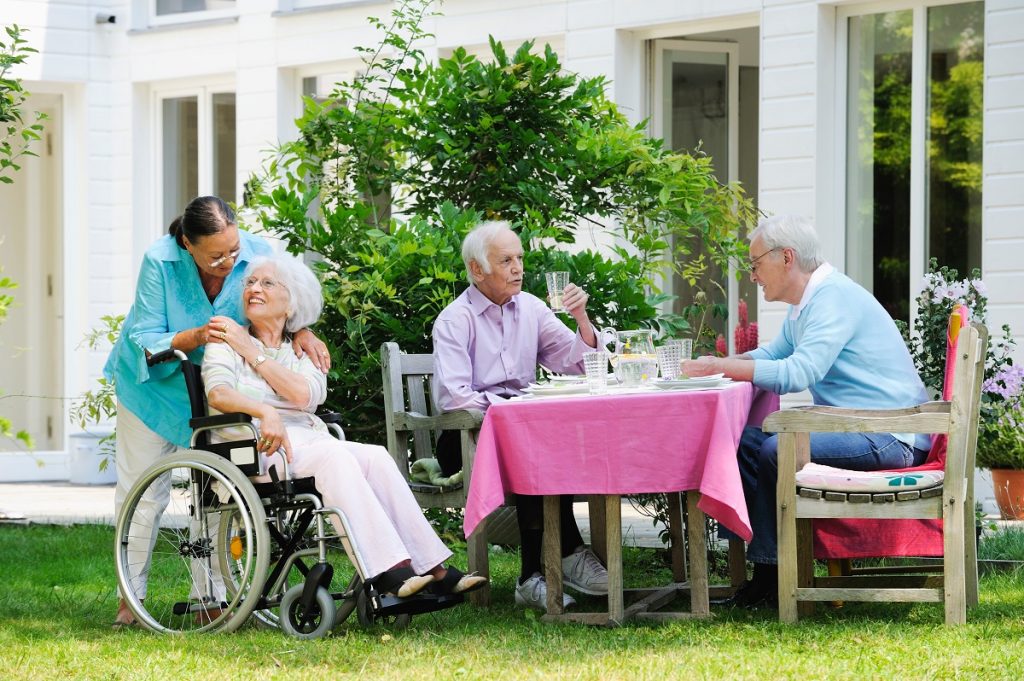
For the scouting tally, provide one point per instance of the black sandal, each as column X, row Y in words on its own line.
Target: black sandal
column 402, row 582
column 456, row 582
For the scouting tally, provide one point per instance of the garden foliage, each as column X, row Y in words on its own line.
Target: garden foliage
column 389, row 173
column 1001, row 436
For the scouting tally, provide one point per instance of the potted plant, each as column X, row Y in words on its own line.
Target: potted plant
column 1001, row 439
column 1000, row 431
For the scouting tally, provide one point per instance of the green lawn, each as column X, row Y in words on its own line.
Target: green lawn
column 59, row 599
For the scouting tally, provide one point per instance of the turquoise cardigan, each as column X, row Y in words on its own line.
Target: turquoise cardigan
column 169, row 298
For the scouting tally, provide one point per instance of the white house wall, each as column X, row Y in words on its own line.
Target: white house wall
column 109, row 74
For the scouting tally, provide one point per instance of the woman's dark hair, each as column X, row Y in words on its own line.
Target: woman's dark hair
column 203, row 216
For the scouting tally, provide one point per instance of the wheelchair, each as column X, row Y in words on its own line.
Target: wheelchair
column 199, row 547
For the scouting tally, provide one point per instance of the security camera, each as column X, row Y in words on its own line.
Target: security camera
column 102, row 18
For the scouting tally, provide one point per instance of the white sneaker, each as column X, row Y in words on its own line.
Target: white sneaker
column 534, row 593
column 583, row 572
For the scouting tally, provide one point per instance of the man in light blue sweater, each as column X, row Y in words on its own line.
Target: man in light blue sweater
column 839, row 343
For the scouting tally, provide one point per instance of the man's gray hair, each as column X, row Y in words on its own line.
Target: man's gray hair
column 791, row 231
column 477, row 244
column 305, row 299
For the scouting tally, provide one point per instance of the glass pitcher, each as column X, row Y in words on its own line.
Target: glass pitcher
column 634, row 360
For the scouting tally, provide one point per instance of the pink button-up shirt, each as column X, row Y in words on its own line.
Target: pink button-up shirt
column 485, row 353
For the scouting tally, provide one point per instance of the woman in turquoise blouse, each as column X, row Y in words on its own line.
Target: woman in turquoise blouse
column 188, row 280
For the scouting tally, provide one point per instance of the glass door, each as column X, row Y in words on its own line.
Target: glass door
column 696, row 110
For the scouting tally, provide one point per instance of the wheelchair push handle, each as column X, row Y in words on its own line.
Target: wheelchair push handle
column 166, row 356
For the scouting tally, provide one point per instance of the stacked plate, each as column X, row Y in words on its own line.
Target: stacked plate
column 559, row 385
column 712, row 381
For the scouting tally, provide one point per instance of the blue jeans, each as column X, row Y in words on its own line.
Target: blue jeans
column 759, row 468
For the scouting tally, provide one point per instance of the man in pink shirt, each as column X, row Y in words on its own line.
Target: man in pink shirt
column 487, row 345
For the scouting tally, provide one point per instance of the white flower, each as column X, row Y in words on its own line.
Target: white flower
column 980, row 287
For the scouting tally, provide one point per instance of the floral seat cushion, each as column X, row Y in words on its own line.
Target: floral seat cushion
column 816, row 476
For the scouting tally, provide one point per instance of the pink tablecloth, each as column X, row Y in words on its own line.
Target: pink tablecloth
column 668, row 441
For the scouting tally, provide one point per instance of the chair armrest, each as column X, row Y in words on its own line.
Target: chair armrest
column 329, row 417
column 462, row 419
column 219, row 420
column 930, row 417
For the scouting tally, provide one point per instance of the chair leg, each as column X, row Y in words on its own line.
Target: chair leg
column 970, row 558
column 954, row 581
column 477, row 560
column 805, row 563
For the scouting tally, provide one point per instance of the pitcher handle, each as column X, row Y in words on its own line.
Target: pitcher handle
column 606, row 336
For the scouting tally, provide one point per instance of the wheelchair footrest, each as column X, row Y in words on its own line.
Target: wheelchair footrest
column 387, row 604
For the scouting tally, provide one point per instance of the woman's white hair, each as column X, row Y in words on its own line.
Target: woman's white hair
column 477, row 244
column 791, row 231
column 305, row 299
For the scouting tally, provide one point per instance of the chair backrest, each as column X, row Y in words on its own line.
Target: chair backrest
column 965, row 406
column 957, row 321
column 408, row 387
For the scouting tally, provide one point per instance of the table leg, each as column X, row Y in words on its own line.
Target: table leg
column 613, row 536
column 696, row 531
column 552, row 553
column 675, row 533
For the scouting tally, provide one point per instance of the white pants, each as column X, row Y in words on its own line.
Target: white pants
column 387, row 524
column 137, row 448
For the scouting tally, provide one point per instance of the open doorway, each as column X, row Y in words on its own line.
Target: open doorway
column 31, row 254
column 705, row 96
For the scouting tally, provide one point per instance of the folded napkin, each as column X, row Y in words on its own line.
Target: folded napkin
column 429, row 471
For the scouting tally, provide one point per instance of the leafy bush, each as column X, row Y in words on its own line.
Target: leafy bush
column 390, row 172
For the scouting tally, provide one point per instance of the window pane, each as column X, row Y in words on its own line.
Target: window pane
column 224, row 145
column 180, row 155
column 878, row 157
column 165, row 7
column 955, row 75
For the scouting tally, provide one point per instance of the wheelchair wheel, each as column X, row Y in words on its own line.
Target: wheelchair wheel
column 308, row 624
column 168, row 568
column 368, row 618
column 283, row 526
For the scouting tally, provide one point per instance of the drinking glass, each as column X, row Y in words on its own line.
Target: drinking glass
column 669, row 356
column 556, row 281
column 685, row 347
column 596, row 365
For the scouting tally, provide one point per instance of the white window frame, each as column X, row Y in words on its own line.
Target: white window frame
column 204, row 129
column 186, row 17
column 918, row 126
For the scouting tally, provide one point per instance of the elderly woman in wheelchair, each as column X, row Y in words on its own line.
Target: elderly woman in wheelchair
column 255, row 375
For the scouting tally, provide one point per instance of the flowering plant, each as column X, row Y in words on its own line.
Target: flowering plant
column 1000, row 437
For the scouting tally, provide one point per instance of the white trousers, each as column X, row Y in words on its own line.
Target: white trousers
column 137, row 448
column 361, row 480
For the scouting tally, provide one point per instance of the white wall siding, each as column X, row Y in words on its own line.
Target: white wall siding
column 1003, row 182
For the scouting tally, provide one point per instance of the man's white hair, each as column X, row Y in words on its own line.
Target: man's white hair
column 477, row 244
column 791, row 231
column 305, row 298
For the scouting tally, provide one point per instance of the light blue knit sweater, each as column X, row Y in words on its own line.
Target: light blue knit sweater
column 845, row 349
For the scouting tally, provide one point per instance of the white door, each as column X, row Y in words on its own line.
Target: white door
column 31, row 338
column 696, row 105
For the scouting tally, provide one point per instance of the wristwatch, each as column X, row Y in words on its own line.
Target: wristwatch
column 260, row 359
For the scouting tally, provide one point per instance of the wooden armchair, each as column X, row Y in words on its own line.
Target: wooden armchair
column 952, row 500
column 413, row 426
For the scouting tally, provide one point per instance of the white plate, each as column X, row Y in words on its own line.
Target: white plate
column 556, row 389
column 687, row 383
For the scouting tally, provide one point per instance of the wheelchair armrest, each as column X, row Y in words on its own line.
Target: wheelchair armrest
column 219, row 420
column 462, row 419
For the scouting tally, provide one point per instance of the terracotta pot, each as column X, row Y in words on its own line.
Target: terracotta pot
column 1009, row 486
